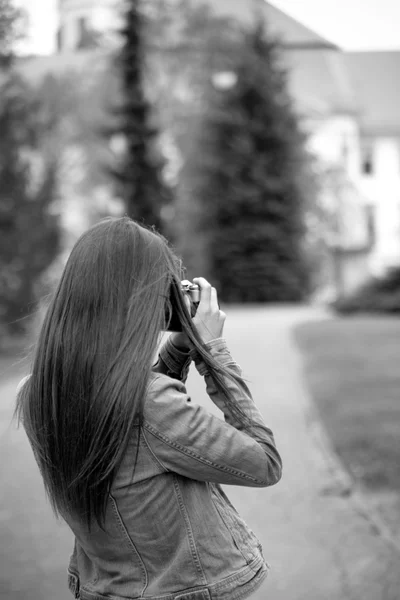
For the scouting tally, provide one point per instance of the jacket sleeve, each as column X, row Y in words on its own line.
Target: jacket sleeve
column 186, row 439
column 173, row 362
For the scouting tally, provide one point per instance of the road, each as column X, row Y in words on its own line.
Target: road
column 319, row 546
column 34, row 548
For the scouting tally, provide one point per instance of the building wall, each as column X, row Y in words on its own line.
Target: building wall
column 335, row 142
column 355, row 269
column 104, row 15
column 243, row 10
column 99, row 15
column 382, row 188
column 336, row 139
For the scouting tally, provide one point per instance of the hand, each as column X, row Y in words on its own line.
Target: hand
column 209, row 319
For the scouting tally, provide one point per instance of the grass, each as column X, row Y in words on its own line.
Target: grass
column 352, row 368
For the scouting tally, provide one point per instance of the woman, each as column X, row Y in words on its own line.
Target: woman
column 130, row 463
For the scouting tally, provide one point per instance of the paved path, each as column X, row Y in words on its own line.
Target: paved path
column 319, row 547
column 34, row 549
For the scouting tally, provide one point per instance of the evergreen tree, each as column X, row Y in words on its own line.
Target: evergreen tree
column 11, row 28
column 29, row 233
column 246, row 179
column 140, row 176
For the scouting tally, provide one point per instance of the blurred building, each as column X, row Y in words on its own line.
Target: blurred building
column 81, row 22
column 375, row 80
column 349, row 103
column 350, row 106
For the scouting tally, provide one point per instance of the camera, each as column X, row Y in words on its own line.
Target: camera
column 191, row 291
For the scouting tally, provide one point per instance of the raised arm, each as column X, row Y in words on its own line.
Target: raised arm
column 187, row 439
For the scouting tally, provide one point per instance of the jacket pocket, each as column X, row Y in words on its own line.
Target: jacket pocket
column 244, row 538
column 199, row 595
column 73, row 584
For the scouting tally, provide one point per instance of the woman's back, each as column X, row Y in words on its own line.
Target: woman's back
column 128, row 460
column 169, row 522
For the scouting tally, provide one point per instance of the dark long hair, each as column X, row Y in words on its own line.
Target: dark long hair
column 93, row 359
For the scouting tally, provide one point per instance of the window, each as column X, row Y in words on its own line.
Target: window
column 82, row 32
column 371, row 224
column 87, row 37
column 345, row 149
column 60, row 39
column 367, row 158
column 345, row 152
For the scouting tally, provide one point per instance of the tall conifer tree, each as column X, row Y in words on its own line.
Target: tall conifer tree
column 140, row 175
column 29, row 231
column 248, row 168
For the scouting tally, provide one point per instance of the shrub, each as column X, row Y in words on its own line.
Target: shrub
column 378, row 295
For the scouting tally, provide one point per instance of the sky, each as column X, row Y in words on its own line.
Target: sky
column 351, row 24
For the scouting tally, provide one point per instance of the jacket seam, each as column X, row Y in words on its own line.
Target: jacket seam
column 73, row 582
column 251, row 586
column 238, row 543
column 189, row 529
column 125, row 531
column 151, row 383
column 221, row 587
column 199, row 458
column 176, row 362
column 157, row 460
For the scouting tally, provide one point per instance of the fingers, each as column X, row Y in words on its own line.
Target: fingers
column 214, row 304
column 187, row 302
column 209, row 295
column 209, row 320
column 205, row 290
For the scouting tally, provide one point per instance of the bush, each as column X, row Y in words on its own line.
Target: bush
column 378, row 295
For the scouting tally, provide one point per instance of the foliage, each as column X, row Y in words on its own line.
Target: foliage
column 139, row 178
column 81, row 107
column 378, row 295
column 184, row 40
column 29, row 233
column 11, row 29
column 245, row 177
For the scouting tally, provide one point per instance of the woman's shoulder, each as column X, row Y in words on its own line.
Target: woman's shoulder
column 164, row 396
column 161, row 383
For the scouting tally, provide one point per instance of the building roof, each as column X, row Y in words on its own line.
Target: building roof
column 319, row 81
column 279, row 23
column 376, row 80
column 291, row 31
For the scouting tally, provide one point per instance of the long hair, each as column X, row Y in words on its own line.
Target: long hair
column 93, row 359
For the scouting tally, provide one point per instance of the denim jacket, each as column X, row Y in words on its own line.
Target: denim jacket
column 171, row 533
